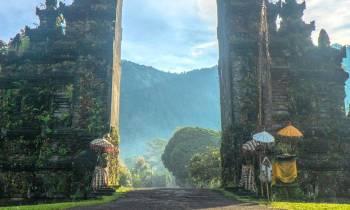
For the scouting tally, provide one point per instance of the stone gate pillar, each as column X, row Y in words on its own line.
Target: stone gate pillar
column 238, row 31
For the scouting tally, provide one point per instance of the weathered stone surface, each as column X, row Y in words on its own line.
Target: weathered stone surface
column 307, row 89
column 56, row 92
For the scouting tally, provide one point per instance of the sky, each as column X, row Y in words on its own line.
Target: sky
column 179, row 35
column 347, row 66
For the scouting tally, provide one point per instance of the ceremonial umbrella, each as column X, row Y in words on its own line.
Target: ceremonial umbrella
column 102, row 144
column 264, row 137
column 291, row 132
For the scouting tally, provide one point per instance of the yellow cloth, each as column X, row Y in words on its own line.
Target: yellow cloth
column 285, row 172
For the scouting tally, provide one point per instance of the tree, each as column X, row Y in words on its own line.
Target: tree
column 148, row 170
column 141, row 173
column 205, row 168
column 3, row 51
column 125, row 176
column 3, row 47
column 154, row 153
column 185, row 143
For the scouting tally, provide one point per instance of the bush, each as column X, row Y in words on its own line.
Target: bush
column 125, row 177
column 141, row 173
column 184, row 144
column 205, row 168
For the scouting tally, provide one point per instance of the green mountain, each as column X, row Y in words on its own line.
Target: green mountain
column 154, row 103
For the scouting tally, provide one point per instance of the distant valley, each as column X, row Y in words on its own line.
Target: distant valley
column 154, row 103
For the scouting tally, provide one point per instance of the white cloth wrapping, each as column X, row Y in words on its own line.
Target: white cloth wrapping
column 100, row 178
column 250, row 146
column 265, row 171
column 248, row 178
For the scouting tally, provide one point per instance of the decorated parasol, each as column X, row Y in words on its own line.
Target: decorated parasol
column 264, row 137
column 290, row 132
column 250, row 146
column 102, row 145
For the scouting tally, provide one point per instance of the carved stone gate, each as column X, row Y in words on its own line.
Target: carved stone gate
column 307, row 83
column 60, row 90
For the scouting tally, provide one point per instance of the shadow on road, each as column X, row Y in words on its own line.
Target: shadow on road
column 175, row 199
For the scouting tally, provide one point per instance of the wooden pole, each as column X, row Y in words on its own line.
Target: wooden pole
column 267, row 191
column 261, row 183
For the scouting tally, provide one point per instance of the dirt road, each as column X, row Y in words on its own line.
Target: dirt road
column 175, row 199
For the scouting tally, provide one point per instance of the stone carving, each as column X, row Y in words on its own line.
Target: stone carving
column 307, row 89
column 55, row 97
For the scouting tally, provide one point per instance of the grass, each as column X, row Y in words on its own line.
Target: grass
column 310, row 206
column 286, row 205
column 244, row 199
column 66, row 205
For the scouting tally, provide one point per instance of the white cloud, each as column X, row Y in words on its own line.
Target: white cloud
column 170, row 35
column 178, row 34
column 16, row 14
column 207, row 11
column 200, row 49
column 332, row 15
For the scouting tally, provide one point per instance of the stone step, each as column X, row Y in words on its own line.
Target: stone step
column 279, row 93
column 280, row 106
column 280, row 98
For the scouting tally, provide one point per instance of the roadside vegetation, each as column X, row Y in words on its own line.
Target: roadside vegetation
column 192, row 156
column 309, row 206
column 147, row 171
column 66, row 205
column 286, row 205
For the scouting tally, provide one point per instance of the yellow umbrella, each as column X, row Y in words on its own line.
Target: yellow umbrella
column 291, row 132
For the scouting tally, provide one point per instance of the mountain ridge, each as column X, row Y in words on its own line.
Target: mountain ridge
column 154, row 103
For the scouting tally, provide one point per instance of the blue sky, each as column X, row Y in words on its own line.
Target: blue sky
column 347, row 66
column 177, row 35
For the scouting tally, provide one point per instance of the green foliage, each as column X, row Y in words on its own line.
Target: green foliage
column 67, row 205
column 145, row 175
column 154, row 153
column 309, row 206
column 141, row 173
column 115, row 137
column 148, row 170
column 155, row 102
column 286, row 205
column 184, row 144
column 92, row 113
column 205, row 168
column 232, row 139
column 113, row 159
column 125, row 176
column 56, row 100
column 45, row 119
column 3, row 49
column 25, row 43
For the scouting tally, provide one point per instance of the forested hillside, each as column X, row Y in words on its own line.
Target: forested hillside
column 154, row 103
